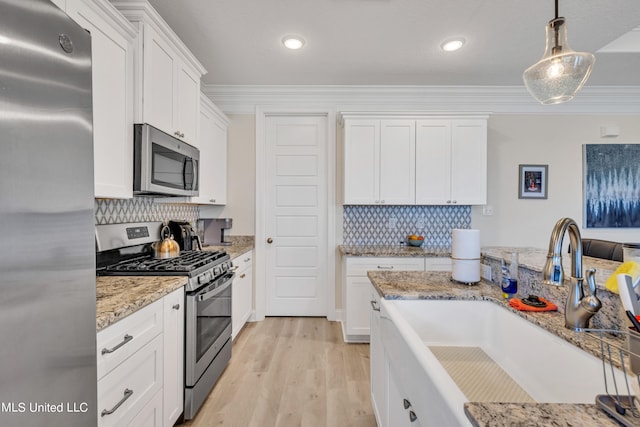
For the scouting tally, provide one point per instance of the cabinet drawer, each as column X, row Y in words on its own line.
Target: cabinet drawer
column 242, row 262
column 438, row 264
column 140, row 376
column 120, row 340
column 358, row 266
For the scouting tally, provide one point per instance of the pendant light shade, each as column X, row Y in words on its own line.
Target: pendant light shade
column 561, row 72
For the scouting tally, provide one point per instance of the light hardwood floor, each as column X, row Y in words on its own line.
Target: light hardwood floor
column 291, row 371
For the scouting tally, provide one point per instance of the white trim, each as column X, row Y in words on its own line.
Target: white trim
column 453, row 99
column 261, row 112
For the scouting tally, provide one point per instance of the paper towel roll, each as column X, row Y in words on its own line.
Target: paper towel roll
column 466, row 270
column 465, row 244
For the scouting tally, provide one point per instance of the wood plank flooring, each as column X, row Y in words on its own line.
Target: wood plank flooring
column 291, row 371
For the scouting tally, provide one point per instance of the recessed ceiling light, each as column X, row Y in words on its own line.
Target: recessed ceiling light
column 452, row 44
column 293, row 42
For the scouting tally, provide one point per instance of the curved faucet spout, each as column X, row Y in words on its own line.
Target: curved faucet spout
column 579, row 309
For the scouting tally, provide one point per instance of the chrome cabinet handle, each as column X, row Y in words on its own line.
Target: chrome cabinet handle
column 412, row 416
column 127, row 394
column 385, row 267
column 375, row 307
column 126, row 339
column 247, row 260
column 176, row 307
column 212, row 200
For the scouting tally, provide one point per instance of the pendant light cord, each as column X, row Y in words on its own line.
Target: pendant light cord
column 556, row 9
column 556, row 29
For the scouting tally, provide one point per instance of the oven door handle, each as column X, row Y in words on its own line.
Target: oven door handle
column 226, row 282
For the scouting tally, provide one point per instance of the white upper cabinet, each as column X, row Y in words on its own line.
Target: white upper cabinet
column 378, row 162
column 407, row 159
column 112, row 45
column 167, row 74
column 451, row 162
column 212, row 143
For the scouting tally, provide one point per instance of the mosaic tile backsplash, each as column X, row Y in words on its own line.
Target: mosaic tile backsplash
column 390, row 225
column 141, row 209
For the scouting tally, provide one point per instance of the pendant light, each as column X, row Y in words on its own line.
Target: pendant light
column 561, row 72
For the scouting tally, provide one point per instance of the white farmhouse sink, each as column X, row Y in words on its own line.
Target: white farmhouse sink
column 429, row 343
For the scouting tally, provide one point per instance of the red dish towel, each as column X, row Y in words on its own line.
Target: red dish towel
column 519, row 305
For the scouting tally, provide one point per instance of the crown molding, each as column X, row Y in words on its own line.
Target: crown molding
column 237, row 99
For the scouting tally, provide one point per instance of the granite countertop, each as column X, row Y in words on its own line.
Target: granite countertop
column 392, row 251
column 439, row 286
column 119, row 296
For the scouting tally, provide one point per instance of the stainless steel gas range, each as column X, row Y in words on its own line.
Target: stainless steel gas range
column 125, row 250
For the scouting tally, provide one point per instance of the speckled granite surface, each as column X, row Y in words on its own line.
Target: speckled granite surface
column 536, row 415
column 391, row 251
column 439, row 286
column 119, row 296
column 239, row 245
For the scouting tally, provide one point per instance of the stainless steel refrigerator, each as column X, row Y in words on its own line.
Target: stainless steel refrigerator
column 47, row 249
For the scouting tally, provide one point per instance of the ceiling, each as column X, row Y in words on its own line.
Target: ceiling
column 396, row 42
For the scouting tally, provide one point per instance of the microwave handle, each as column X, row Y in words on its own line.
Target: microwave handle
column 196, row 174
column 190, row 166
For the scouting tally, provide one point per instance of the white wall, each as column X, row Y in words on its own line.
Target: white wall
column 555, row 141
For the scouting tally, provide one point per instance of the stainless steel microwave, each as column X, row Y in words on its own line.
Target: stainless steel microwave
column 162, row 164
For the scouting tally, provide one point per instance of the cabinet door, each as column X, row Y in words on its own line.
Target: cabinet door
column 219, row 163
column 173, row 347
column 359, row 306
column 433, row 162
column 159, row 68
column 361, row 162
column 241, row 293
column 398, row 415
column 469, row 162
column 397, row 162
column 378, row 365
column 112, row 74
column 187, row 103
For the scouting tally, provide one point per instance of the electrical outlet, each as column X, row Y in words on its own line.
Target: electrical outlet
column 393, row 222
column 487, row 210
column 485, row 272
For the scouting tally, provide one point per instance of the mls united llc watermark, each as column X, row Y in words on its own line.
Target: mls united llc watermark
column 44, row 407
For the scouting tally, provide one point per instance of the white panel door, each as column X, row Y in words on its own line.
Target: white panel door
column 397, row 162
column 469, row 162
column 433, row 162
column 296, row 199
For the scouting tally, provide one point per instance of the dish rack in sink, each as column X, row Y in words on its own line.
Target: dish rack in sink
column 621, row 400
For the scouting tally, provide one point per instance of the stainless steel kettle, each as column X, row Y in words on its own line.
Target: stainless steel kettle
column 167, row 247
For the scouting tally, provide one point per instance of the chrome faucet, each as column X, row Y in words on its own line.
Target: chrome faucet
column 579, row 308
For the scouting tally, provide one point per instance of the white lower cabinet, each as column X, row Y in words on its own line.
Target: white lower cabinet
column 356, row 287
column 173, row 321
column 241, row 292
column 140, row 366
column 401, row 413
column 378, row 368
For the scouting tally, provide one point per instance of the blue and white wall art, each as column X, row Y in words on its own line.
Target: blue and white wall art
column 611, row 185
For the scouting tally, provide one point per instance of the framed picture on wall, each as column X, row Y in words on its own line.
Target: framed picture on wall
column 611, row 190
column 533, row 181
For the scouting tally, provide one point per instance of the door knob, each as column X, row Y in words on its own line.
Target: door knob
column 269, row 240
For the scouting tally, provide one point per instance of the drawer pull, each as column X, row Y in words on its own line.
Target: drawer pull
column 412, row 416
column 385, row 267
column 406, row 404
column 247, row 260
column 176, row 306
column 126, row 339
column 242, row 276
column 375, row 307
column 127, row 394
column 235, row 268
